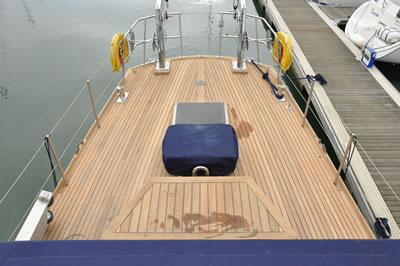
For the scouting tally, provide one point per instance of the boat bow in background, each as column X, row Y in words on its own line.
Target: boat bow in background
column 342, row 3
column 375, row 26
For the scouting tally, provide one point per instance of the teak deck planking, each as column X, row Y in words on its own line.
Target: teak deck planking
column 285, row 160
column 213, row 221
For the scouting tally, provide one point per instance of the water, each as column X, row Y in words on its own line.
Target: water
column 48, row 49
column 391, row 72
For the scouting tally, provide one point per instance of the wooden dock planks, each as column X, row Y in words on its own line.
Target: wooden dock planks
column 358, row 98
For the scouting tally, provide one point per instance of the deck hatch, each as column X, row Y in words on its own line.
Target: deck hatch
column 200, row 113
column 185, row 208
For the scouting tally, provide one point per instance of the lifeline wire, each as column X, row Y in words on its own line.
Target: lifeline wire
column 349, row 163
column 47, row 179
column 30, row 206
column 22, row 172
column 43, row 143
column 373, row 164
column 358, row 142
column 76, row 98
column 84, row 120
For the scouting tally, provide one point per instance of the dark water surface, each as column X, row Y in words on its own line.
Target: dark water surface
column 391, row 72
column 48, row 49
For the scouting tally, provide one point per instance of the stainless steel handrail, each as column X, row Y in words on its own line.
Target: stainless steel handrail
column 159, row 36
column 256, row 39
column 144, row 41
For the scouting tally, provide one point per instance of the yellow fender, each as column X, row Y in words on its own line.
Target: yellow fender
column 283, row 50
column 118, row 51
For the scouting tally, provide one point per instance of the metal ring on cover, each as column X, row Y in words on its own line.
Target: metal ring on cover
column 200, row 168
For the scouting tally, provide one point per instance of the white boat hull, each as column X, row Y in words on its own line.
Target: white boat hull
column 363, row 29
column 390, row 54
column 342, row 3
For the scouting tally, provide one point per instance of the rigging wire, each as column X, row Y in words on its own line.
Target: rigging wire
column 350, row 156
column 43, row 143
column 52, row 172
column 76, row 98
column 33, row 202
column 378, row 220
column 348, row 129
column 54, row 167
column 22, row 172
column 69, row 107
column 374, row 165
column 86, row 117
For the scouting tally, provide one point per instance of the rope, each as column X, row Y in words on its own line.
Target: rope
column 47, row 145
column 305, row 101
column 266, row 77
column 317, row 77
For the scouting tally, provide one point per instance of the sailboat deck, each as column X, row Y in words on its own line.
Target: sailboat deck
column 284, row 164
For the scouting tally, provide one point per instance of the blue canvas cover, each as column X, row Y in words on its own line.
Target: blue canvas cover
column 200, row 252
column 187, row 146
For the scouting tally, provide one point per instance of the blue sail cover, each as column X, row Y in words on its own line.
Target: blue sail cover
column 187, row 146
column 201, row 252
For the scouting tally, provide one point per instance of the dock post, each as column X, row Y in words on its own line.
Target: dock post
column 346, row 152
column 93, row 103
column 308, row 102
column 53, row 150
